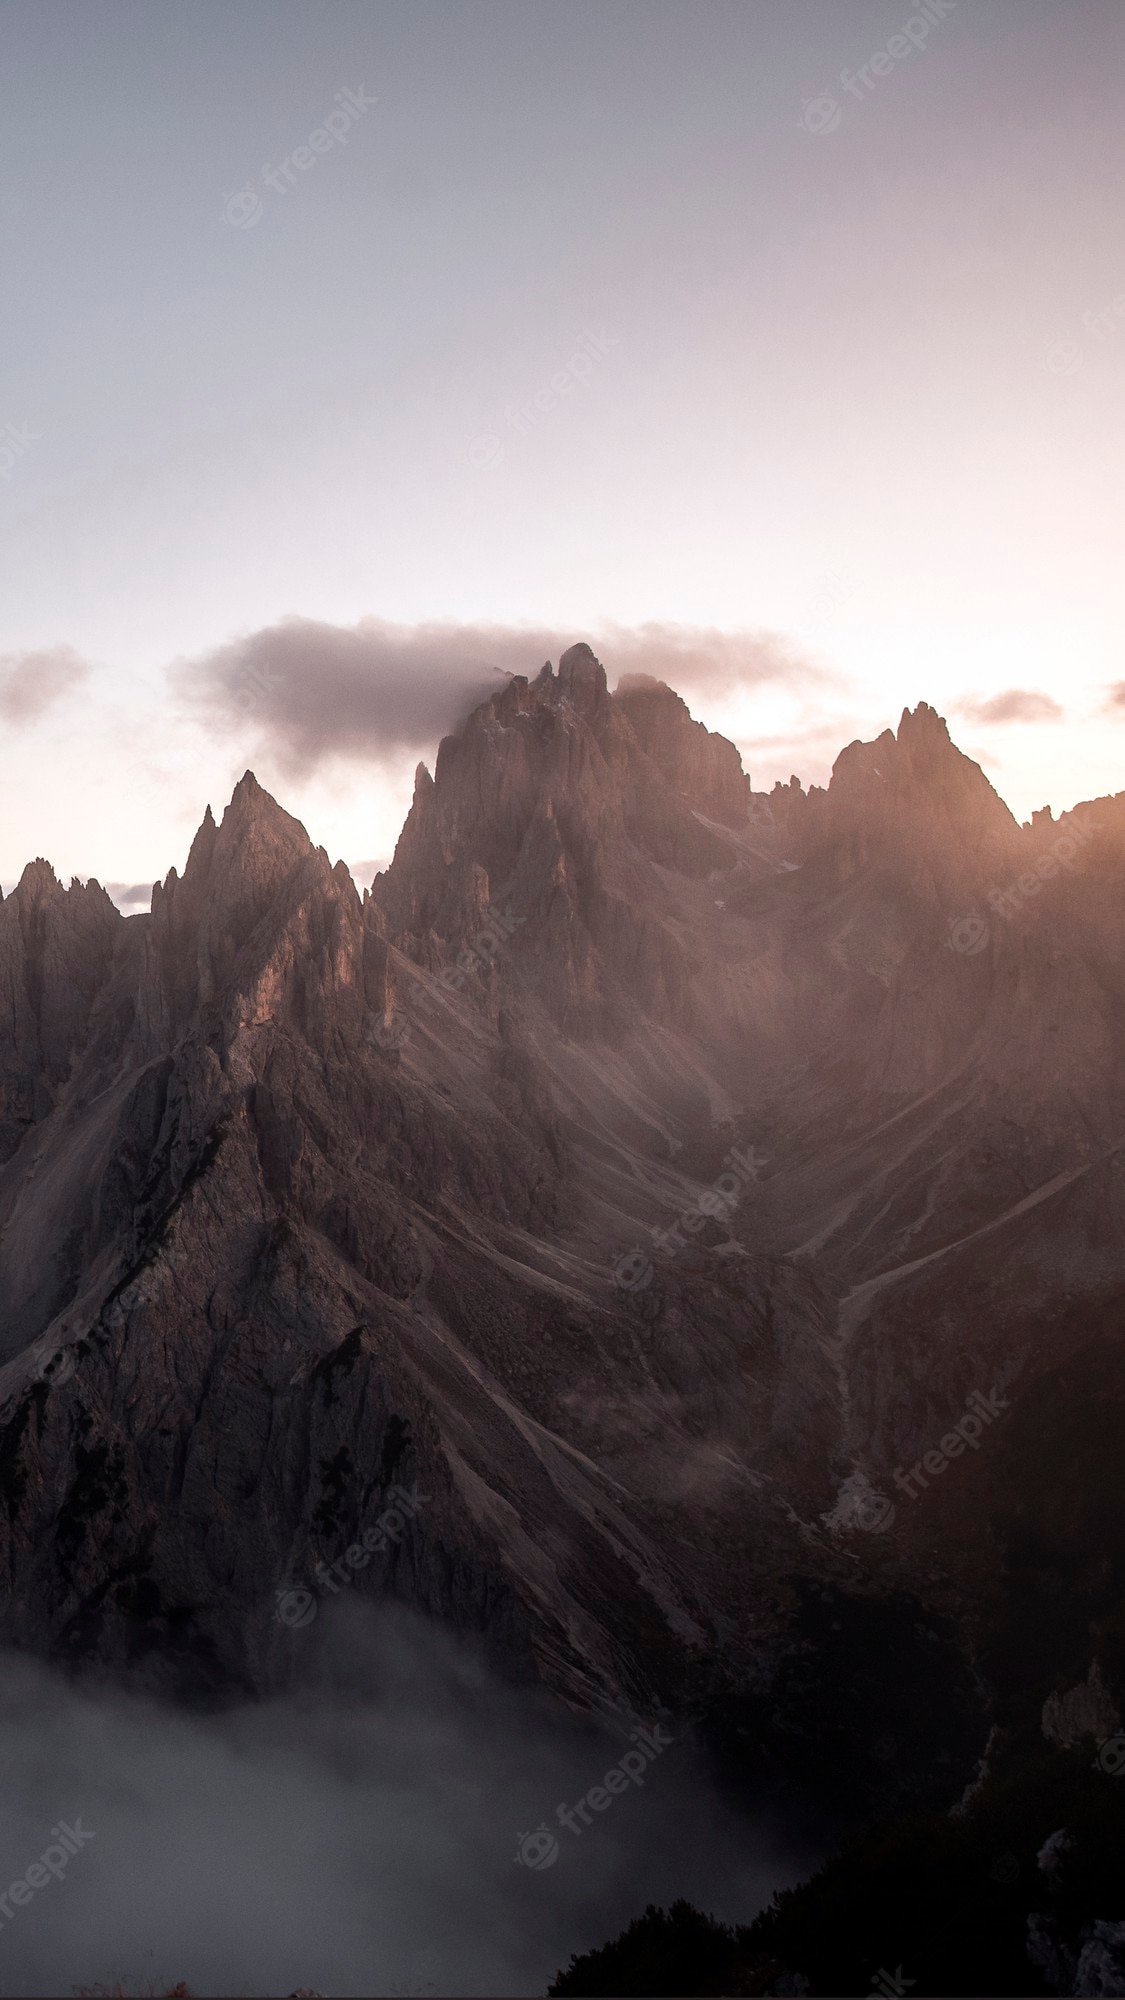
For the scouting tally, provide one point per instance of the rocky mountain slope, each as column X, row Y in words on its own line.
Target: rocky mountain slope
column 645, row 1171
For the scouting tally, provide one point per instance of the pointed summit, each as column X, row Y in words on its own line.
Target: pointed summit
column 38, row 880
column 254, row 813
column 924, row 736
column 582, row 680
column 233, row 872
column 919, row 803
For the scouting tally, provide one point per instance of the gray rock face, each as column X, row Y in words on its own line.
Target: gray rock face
column 308, row 1200
column 55, row 948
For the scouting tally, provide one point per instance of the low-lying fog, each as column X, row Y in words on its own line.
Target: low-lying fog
column 359, row 1837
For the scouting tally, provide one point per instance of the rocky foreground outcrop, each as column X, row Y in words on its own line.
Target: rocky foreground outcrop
column 646, row 1172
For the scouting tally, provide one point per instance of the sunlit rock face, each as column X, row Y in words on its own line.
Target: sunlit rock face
column 645, row 1173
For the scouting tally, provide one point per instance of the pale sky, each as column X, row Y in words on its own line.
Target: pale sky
column 837, row 368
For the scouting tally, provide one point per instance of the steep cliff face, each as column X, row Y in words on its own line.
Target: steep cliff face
column 55, row 949
column 548, row 802
column 699, row 765
column 322, row 1197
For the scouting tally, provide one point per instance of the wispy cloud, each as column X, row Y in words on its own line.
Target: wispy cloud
column 314, row 691
column 31, row 683
column 1115, row 698
column 1014, row 705
column 704, row 660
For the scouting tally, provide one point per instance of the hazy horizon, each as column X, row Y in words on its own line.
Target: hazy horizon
column 457, row 363
column 284, row 753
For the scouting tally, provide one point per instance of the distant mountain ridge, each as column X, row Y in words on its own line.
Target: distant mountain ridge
column 305, row 1195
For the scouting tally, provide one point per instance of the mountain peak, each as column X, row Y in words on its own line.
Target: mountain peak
column 253, row 810
column 917, row 802
column 233, row 872
column 250, row 800
column 924, row 734
column 582, row 681
column 38, row 880
column 924, row 717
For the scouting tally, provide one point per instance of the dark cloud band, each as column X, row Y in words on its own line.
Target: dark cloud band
column 314, row 691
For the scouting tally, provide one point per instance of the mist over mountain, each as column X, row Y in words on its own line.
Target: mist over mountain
column 357, row 1836
column 663, row 1234
column 318, row 694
